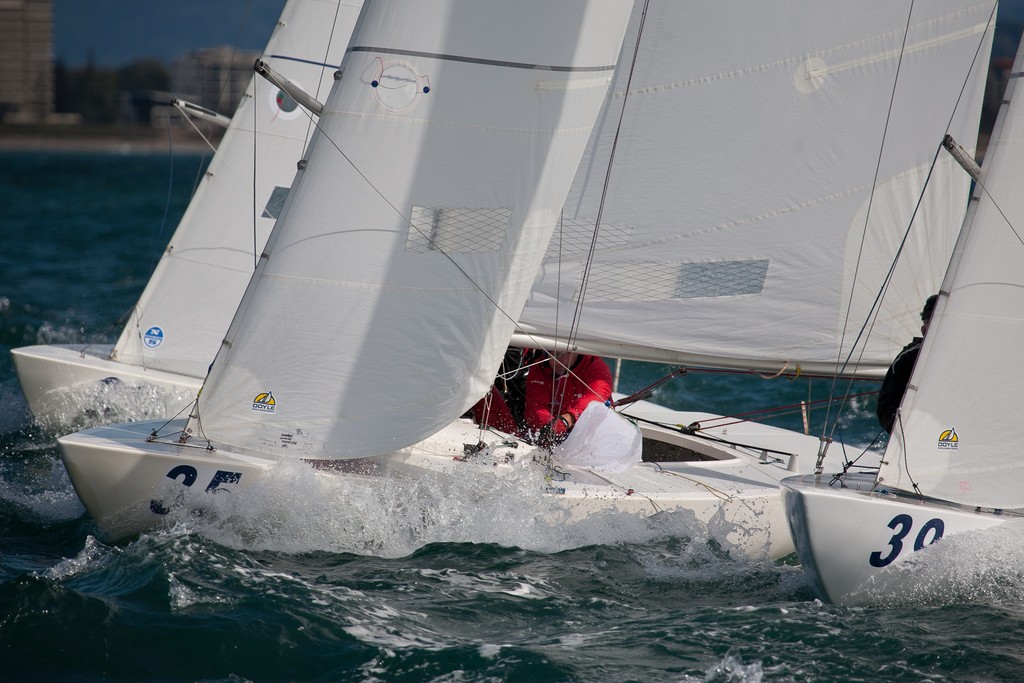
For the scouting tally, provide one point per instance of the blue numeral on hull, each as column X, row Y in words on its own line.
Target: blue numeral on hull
column 188, row 475
column 902, row 525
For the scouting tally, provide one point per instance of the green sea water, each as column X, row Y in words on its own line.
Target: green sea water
column 451, row 583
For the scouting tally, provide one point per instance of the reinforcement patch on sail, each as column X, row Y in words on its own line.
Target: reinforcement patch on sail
column 575, row 237
column 456, row 231
column 652, row 281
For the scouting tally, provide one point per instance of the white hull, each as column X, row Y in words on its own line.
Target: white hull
column 127, row 485
column 63, row 383
column 859, row 563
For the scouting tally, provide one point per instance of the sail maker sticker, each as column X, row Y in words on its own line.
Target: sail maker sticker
column 948, row 440
column 264, row 402
column 153, row 337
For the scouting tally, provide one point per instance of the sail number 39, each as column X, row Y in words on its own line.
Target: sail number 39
column 902, row 524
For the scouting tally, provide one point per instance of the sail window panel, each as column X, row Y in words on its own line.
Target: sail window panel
column 651, row 281
column 574, row 237
column 456, row 231
column 275, row 203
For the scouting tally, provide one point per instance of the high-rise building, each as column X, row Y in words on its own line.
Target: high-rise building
column 215, row 78
column 26, row 56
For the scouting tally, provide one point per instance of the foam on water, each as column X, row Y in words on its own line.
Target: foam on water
column 37, row 484
column 110, row 401
column 985, row 566
column 294, row 509
column 90, row 558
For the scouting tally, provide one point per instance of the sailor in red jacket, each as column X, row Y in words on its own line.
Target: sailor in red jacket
column 557, row 393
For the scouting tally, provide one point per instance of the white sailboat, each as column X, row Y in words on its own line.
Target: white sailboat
column 952, row 466
column 360, row 340
column 175, row 329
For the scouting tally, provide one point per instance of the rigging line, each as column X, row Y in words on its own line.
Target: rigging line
column 187, row 406
column 234, row 49
column 589, row 263
column 847, row 464
column 170, row 185
column 558, row 301
column 876, row 305
column 188, row 119
column 408, row 220
column 324, row 65
column 871, row 199
column 199, row 132
column 633, row 492
column 649, row 389
column 585, row 279
column 697, row 434
column 793, row 407
column 1006, row 219
column 903, row 455
column 721, row 495
column 255, row 173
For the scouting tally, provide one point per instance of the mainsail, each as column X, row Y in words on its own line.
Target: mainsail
column 407, row 247
column 768, row 162
column 956, row 438
column 212, row 254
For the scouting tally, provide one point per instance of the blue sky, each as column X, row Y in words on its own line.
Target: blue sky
column 116, row 32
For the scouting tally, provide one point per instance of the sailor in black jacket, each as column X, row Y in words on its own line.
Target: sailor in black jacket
column 896, row 379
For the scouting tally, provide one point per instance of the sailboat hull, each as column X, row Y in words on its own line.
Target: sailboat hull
column 859, row 563
column 62, row 382
column 130, row 485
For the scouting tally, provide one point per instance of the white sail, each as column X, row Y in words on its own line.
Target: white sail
column 735, row 231
column 408, row 245
column 211, row 256
column 956, row 438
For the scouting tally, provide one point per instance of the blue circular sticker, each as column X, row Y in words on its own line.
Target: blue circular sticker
column 154, row 337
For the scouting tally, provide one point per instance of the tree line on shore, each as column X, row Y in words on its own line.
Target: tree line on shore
column 95, row 93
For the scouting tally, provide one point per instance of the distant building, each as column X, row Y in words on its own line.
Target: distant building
column 26, row 56
column 214, row 78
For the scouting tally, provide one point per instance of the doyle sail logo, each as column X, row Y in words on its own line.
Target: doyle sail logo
column 153, row 337
column 948, row 440
column 264, row 402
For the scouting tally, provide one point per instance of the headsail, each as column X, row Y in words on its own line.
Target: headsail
column 408, row 245
column 956, row 438
column 211, row 257
column 735, row 231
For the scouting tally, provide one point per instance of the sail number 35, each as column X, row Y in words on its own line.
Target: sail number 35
column 903, row 524
column 188, row 476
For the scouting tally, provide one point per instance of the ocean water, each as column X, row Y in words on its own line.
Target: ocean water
column 434, row 583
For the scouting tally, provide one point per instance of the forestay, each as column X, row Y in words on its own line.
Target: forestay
column 407, row 247
column 736, row 229
column 210, row 258
column 957, row 437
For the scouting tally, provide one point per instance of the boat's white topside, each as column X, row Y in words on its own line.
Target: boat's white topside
column 864, row 563
column 62, row 382
column 117, row 472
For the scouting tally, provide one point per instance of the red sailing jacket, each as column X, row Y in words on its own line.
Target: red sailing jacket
column 590, row 380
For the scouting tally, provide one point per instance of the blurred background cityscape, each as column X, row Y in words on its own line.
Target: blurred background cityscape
column 79, row 69
column 108, row 69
